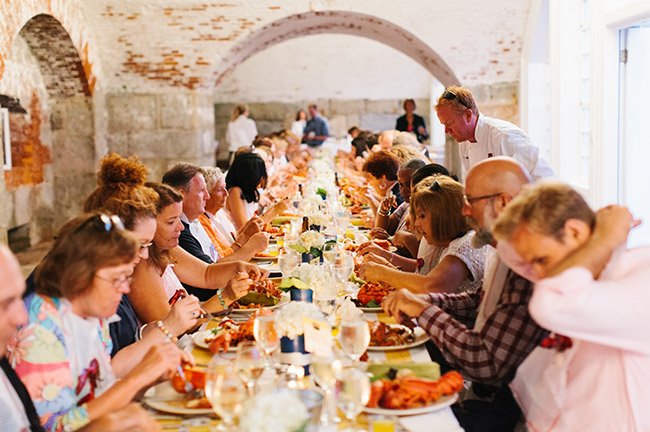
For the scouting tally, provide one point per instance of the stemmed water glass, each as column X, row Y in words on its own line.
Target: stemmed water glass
column 325, row 370
column 249, row 364
column 354, row 337
column 353, row 392
column 342, row 267
column 224, row 391
column 287, row 261
column 266, row 335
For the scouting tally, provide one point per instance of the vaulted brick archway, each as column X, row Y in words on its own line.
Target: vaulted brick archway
column 53, row 149
column 340, row 22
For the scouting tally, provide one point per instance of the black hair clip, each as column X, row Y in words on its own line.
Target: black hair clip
column 435, row 186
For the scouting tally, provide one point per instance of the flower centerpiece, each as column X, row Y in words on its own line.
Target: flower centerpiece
column 309, row 245
column 302, row 281
column 290, row 327
column 268, row 413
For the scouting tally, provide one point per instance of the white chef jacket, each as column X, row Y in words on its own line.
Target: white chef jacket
column 496, row 137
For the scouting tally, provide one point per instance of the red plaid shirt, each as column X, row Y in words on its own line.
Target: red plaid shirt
column 492, row 355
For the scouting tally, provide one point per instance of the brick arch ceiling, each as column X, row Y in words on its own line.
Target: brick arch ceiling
column 57, row 57
column 342, row 22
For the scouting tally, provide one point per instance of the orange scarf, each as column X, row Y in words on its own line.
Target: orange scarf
column 223, row 250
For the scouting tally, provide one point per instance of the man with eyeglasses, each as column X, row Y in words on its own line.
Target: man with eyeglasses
column 484, row 335
column 480, row 137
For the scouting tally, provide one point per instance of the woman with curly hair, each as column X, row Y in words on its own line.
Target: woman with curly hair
column 381, row 172
column 121, row 191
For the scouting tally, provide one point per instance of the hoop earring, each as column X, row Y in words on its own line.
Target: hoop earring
column 382, row 185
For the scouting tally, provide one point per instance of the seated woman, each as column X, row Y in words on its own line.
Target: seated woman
column 436, row 207
column 121, row 191
column 246, row 175
column 406, row 239
column 157, row 279
column 387, row 224
column 381, row 172
column 63, row 353
column 219, row 227
column 592, row 374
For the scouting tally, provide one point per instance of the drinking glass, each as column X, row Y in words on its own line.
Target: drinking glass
column 329, row 253
column 287, row 261
column 265, row 334
column 354, row 337
column 225, row 392
column 325, row 370
column 342, row 269
column 353, row 392
column 249, row 364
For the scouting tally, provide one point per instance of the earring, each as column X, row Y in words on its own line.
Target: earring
column 382, row 185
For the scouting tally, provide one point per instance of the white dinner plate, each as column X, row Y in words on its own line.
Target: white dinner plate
column 283, row 300
column 199, row 339
column 441, row 403
column 370, row 309
column 420, row 338
column 152, row 398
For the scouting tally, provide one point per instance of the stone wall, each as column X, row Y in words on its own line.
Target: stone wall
column 161, row 129
column 375, row 115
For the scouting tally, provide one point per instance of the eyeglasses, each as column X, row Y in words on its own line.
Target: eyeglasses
column 470, row 201
column 450, row 95
column 117, row 282
column 144, row 246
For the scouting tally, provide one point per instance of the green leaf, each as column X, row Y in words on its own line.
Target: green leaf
column 315, row 252
column 372, row 303
column 322, row 192
column 299, row 248
column 292, row 282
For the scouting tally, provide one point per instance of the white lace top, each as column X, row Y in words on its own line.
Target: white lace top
column 474, row 259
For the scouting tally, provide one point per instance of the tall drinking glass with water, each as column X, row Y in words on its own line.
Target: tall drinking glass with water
column 354, row 337
column 325, row 370
column 225, row 392
column 352, row 395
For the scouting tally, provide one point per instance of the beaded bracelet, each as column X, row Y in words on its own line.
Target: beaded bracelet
column 220, row 295
column 166, row 332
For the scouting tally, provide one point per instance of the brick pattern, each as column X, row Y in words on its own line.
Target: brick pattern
column 57, row 57
column 28, row 154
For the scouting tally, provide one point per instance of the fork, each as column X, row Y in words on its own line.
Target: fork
column 188, row 385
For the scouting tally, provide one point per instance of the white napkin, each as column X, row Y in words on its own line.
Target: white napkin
column 440, row 421
column 348, row 311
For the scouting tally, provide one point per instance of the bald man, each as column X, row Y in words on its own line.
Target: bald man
column 17, row 412
column 485, row 335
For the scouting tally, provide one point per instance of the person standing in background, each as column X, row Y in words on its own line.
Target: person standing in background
column 411, row 122
column 298, row 126
column 241, row 131
column 317, row 130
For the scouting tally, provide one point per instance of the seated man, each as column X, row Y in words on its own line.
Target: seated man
column 188, row 179
column 16, row 408
column 484, row 335
column 593, row 295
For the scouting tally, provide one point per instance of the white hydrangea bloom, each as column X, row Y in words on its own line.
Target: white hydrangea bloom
column 288, row 319
column 268, row 413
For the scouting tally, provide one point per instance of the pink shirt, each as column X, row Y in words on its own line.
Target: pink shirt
column 602, row 383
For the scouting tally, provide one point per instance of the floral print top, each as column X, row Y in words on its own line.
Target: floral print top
column 63, row 360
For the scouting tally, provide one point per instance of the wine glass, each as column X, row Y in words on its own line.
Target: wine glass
column 353, row 392
column 325, row 369
column 354, row 337
column 287, row 261
column 224, row 391
column 265, row 333
column 342, row 268
column 249, row 364
column 329, row 253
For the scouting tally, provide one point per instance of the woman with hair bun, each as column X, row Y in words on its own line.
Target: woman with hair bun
column 121, row 191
